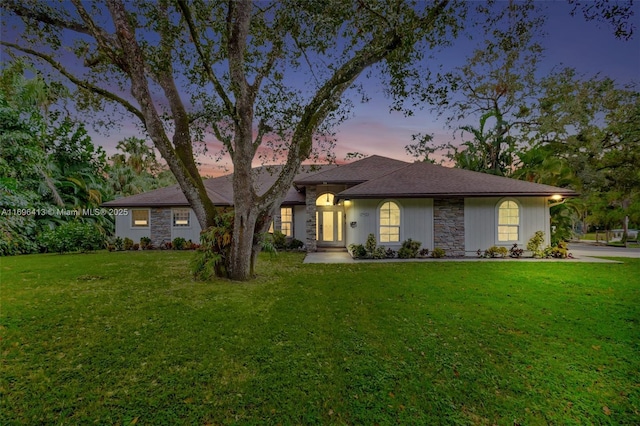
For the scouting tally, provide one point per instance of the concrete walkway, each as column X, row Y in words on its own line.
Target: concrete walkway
column 582, row 252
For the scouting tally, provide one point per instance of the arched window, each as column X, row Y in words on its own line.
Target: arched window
column 508, row 222
column 325, row 199
column 389, row 222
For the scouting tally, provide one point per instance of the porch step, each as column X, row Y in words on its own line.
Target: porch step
column 331, row 250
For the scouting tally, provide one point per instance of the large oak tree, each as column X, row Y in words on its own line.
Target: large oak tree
column 254, row 74
column 187, row 68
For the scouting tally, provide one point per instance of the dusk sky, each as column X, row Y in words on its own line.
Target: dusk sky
column 590, row 47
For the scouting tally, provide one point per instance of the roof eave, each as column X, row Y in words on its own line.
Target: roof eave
column 328, row 182
column 453, row 195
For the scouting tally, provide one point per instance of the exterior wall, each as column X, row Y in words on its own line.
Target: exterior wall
column 449, row 226
column 125, row 230
column 299, row 223
column 416, row 221
column 191, row 232
column 481, row 222
column 160, row 227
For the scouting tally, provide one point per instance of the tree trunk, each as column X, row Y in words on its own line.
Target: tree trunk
column 240, row 266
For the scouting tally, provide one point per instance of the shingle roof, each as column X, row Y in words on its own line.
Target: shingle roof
column 418, row 180
column 220, row 190
column 374, row 177
column 356, row 172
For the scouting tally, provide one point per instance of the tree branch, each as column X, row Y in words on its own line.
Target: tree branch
column 263, row 128
column 329, row 94
column 238, row 21
column 104, row 40
column 78, row 82
column 204, row 58
column 30, row 12
column 265, row 70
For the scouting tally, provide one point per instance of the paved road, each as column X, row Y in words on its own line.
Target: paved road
column 591, row 249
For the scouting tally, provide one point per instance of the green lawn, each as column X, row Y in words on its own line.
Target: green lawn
column 126, row 338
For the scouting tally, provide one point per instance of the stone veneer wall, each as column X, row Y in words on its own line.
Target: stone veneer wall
column 161, row 221
column 311, row 219
column 448, row 226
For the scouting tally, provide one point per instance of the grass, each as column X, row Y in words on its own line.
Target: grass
column 126, row 338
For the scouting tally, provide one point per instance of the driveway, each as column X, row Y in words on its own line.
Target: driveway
column 581, row 249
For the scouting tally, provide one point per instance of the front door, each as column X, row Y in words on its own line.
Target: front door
column 330, row 226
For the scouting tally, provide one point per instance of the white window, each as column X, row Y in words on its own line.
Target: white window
column 389, row 222
column 286, row 221
column 140, row 218
column 325, row 200
column 508, row 222
column 181, row 217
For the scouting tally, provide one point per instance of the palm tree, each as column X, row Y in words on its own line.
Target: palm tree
column 139, row 156
column 490, row 151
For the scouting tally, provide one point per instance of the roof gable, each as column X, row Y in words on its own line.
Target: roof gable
column 357, row 172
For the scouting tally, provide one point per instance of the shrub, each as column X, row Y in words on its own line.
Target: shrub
column 515, row 251
column 390, row 253
column 135, row 247
column 178, row 243
column 17, row 234
column 495, row 251
column 559, row 251
column 379, row 253
column 279, row 240
column 73, row 236
column 295, row 244
column 145, row 242
column 118, row 243
column 214, row 251
column 358, row 251
column 438, row 253
column 266, row 243
column 409, row 249
column 370, row 245
column 423, row 252
column 128, row 243
column 535, row 243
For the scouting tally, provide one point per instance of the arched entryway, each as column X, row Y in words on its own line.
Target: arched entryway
column 329, row 222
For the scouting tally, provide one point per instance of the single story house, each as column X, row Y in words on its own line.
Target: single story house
column 333, row 206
